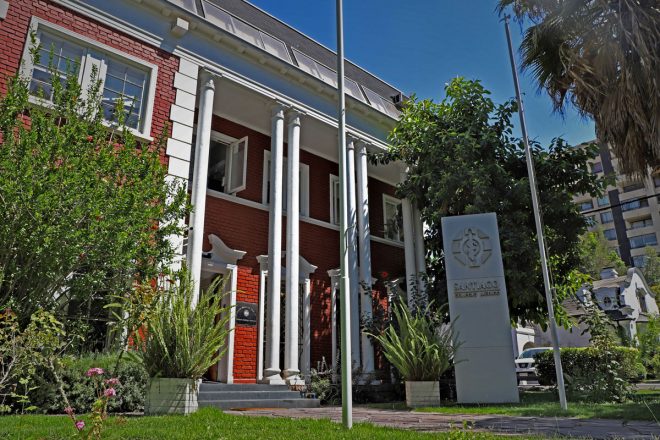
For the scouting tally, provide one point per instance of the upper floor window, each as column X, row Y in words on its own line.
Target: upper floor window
column 597, row 167
column 634, row 186
column 227, row 165
column 334, row 199
column 634, row 204
column 641, row 223
column 603, row 201
column 127, row 84
column 585, row 206
column 610, row 234
column 606, row 217
column 393, row 218
column 643, row 240
column 303, row 185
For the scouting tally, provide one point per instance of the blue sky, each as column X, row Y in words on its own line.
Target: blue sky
column 419, row 45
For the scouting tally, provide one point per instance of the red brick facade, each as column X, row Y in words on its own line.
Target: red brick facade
column 246, row 228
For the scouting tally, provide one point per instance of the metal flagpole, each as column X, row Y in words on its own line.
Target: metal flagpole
column 539, row 226
column 344, row 279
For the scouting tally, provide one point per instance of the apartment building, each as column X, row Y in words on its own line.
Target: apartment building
column 628, row 213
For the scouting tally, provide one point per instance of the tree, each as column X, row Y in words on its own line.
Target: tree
column 463, row 159
column 85, row 209
column 596, row 254
column 651, row 269
column 603, row 57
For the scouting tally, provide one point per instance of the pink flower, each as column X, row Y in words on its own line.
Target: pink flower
column 112, row 381
column 80, row 425
column 68, row 410
column 384, row 274
column 110, row 392
column 94, row 372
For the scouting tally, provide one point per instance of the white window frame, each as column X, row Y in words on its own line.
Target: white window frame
column 36, row 24
column 393, row 201
column 334, row 216
column 231, row 143
column 304, row 183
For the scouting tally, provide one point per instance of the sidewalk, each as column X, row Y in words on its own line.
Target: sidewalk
column 429, row 422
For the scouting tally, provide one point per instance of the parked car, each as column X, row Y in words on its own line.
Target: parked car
column 525, row 364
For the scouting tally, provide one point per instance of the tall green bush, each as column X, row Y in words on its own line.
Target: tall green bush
column 592, row 373
column 182, row 341
column 420, row 349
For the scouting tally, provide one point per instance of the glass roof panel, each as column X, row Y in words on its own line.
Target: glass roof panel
column 275, row 47
column 217, row 16
column 353, row 89
column 306, row 63
column 247, row 32
column 375, row 100
column 327, row 75
column 185, row 4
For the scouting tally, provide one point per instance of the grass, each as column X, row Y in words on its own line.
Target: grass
column 209, row 423
column 645, row 406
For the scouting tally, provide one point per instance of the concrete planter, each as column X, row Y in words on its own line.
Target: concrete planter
column 171, row 396
column 422, row 393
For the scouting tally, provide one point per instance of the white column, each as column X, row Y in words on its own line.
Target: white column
column 420, row 256
column 364, row 244
column 409, row 248
column 229, row 361
column 306, row 361
column 261, row 319
column 200, row 176
column 334, row 282
column 351, row 239
column 291, row 367
column 272, row 368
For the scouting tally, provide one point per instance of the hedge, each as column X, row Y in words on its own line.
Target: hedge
column 80, row 389
column 593, row 373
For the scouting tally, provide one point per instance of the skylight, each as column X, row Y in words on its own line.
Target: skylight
column 185, row 4
column 382, row 104
column 245, row 31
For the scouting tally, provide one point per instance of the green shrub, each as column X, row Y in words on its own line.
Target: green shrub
column 593, row 374
column 419, row 349
column 80, row 388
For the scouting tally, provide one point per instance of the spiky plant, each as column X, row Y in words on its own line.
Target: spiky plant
column 603, row 56
column 420, row 349
column 182, row 340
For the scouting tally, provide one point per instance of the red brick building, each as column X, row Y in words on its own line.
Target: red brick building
column 240, row 93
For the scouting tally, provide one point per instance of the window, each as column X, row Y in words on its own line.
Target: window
column 393, row 218
column 334, row 199
column 634, row 186
column 656, row 181
column 585, row 206
column 641, row 223
column 634, row 204
column 123, row 77
column 227, row 164
column 606, row 217
column 603, row 201
column 303, row 181
column 597, row 167
column 639, row 261
column 643, row 240
column 610, row 234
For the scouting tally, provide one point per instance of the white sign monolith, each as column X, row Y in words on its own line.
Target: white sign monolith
column 485, row 369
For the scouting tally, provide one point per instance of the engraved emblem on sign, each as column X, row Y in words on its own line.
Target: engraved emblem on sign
column 471, row 247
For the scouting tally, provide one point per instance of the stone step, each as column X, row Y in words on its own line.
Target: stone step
column 217, row 386
column 216, row 395
column 274, row 403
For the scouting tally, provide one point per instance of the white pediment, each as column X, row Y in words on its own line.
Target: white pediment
column 221, row 253
column 305, row 268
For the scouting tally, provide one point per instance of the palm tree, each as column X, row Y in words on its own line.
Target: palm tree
column 603, row 57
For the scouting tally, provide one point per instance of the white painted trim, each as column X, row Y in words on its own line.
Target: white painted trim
column 333, row 219
column 67, row 34
column 260, row 323
column 393, row 201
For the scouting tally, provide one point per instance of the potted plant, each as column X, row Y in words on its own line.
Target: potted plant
column 421, row 350
column 180, row 342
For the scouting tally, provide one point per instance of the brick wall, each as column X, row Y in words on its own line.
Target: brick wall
column 14, row 37
column 246, row 229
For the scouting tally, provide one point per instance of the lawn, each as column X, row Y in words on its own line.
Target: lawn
column 645, row 406
column 209, row 423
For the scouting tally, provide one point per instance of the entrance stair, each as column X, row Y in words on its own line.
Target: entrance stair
column 245, row 396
